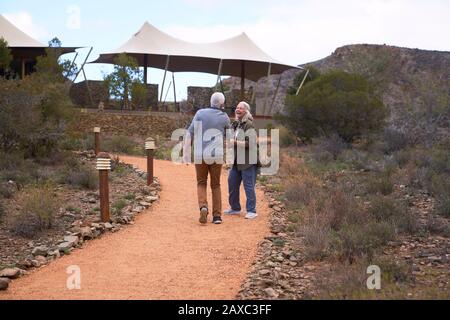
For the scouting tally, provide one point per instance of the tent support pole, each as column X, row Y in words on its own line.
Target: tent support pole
column 165, row 97
column 145, row 68
column 242, row 80
column 89, row 89
column 275, row 94
column 174, row 92
column 219, row 72
column 164, row 78
column 73, row 62
column 82, row 66
column 23, row 68
column 303, row 81
column 267, row 88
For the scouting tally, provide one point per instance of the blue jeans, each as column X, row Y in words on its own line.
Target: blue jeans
column 248, row 177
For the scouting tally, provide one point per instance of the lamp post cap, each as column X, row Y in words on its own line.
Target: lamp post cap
column 103, row 155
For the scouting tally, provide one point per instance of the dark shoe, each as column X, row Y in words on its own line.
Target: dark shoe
column 217, row 220
column 203, row 215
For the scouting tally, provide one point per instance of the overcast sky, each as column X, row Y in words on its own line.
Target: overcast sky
column 293, row 32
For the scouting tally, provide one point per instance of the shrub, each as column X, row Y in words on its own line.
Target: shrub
column 394, row 140
column 39, row 206
column 130, row 196
column 385, row 209
column 121, row 144
column 2, row 211
column 287, row 138
column 315, row 233
column 332, row 144
column 300, row 191
column 80, row 176
column 380, row 184
column 336, row 102
column 118, row 205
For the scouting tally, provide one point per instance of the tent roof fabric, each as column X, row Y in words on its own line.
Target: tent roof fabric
column 15, row 37
column 197, row 57
column 22, row 45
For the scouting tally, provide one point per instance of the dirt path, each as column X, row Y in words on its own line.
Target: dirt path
column 166, row 254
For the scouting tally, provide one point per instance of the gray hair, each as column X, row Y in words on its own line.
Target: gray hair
column 248, row 115
column 217, row 99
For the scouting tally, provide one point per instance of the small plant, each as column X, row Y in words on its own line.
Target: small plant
column 130, row 196
column 278, row 242
column 118, row 205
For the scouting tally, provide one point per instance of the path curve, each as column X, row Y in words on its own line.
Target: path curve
column 166, row 254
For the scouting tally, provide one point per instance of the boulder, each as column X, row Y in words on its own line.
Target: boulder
column 86, row 233
column 4, row 283
column 11, row 273
column 72, row 239
column 40, row 251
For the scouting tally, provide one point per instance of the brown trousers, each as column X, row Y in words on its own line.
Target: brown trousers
column 214, row 171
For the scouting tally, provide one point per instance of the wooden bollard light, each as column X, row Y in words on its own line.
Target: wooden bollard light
column 150, row 147
column 103, row 166
column 97, row 140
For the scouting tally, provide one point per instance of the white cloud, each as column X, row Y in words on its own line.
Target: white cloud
column 302, row 31
column 24, row 21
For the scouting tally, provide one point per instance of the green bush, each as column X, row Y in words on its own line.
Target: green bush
column 287, row 138
column 118, row 205
column 336, row 102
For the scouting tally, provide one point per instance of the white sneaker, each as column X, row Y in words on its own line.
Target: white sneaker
column 232, row 212
column 251, row 215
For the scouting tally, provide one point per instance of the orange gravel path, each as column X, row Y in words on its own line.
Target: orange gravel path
column 166, row 254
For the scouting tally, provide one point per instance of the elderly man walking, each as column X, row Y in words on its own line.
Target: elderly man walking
column 208, row 131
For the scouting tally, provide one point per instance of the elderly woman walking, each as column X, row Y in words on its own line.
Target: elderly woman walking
column 245, row 166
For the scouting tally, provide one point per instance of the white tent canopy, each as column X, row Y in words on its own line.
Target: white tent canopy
column 237, row 56
column 24, row 48
column 15, row 37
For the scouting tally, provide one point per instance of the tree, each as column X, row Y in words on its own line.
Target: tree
column 5, row 54
column 55, row 43
column 125, row 76
column 335, row 103
column 313, row 74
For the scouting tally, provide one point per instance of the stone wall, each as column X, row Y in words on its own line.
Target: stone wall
column 80, row 95
column 137, row 125
column 199, row 97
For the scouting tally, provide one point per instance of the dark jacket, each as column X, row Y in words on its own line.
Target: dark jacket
column 241, row 128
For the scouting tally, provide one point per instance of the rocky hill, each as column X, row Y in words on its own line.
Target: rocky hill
column 413, row 83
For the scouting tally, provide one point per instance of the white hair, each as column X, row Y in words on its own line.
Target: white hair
column 248, row 115
column 217, row 99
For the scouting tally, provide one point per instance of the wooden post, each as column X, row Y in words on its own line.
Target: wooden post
column 97, row 140
column 242, row 80
column 150, row 147
column 103, row 166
